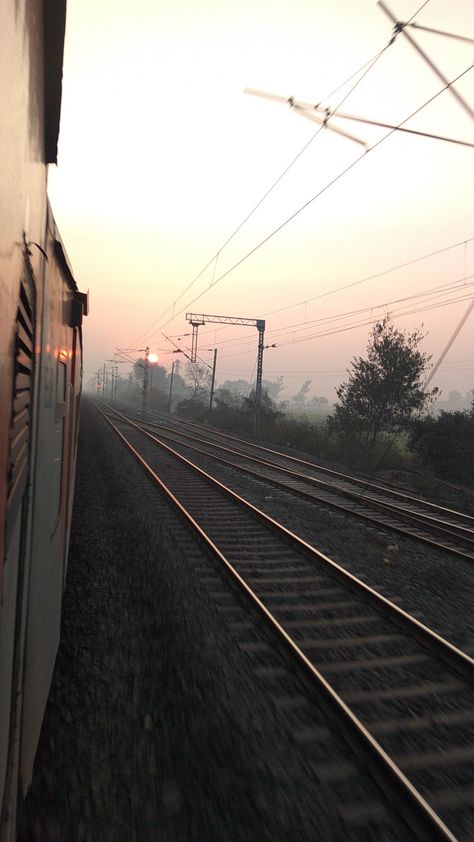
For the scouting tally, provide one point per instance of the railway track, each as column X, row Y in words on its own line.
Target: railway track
column 387, row 508
column 400, row 693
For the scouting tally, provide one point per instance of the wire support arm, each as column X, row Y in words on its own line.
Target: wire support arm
column 400, row 27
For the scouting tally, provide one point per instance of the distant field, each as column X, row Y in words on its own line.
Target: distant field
column 308, row 413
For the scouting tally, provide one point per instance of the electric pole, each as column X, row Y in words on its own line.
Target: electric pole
column 213, row 381
column 201, row 319
column 145, row 382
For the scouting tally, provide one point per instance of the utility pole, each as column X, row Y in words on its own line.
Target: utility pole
column 104, row 385
column 171, row 387
column 213, row 381
column 145, row 382
column 258, row 382
column 201, row 319
column 196, row 324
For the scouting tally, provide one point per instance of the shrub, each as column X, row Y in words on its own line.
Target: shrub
column 446, row 445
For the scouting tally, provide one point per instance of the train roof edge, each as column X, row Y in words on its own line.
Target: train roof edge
column 54, row 34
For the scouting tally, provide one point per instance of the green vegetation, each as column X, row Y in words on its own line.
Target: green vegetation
column 377, row 425
column 446, row 445
column 382, row 394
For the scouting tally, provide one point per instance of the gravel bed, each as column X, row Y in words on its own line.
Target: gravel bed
column 416, row 483
column 435, row 586
column 160, row 726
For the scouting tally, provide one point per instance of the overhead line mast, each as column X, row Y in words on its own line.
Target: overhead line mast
column 198, row 319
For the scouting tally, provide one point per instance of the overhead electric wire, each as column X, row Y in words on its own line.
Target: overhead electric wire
column 366, row 68
column 342, row 329
column 373, row 277
column 434, row 291
column 359, row 323
column 415, row 14
column 400, row 27
column 348, row 286
column 299, row 327
column 319, row 193
column 185, row 354
column 375, row 319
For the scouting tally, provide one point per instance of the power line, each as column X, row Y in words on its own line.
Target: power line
column 437, row 292
column 375, row 319
column 415, row 14
column 360, row 323
column 434, row 291
column 401, row 27
column 369, row 277
column 366, row 68
column 372, row 277
column 461, row 283
column 319, row 193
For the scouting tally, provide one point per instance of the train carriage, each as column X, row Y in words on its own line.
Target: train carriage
column 41, row 312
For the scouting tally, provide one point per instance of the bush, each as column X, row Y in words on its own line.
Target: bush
column 446, row 445
column 193, row 410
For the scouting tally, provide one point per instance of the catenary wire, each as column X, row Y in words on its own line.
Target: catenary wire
column 415, row 14
column 318, row 194
column 345, row 328
column 356, row 325
column 279, row 333
column 366, row 68
column 432, row 290
column 369, row 277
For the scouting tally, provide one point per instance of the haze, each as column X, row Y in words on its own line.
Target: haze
column 162, row 156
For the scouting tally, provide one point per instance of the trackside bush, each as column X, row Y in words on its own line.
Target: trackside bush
column 446, row 445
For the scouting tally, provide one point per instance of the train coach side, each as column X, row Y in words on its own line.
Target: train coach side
column 41, row 312
column 42, row 443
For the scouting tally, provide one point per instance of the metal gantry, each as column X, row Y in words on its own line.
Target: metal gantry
column 198, row 319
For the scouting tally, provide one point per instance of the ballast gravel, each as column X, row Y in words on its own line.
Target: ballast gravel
column 161, row 725
column 431, row 584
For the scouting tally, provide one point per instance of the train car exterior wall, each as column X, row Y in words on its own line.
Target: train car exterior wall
column 40, row 377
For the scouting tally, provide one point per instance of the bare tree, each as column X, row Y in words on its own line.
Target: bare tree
column 199, row 379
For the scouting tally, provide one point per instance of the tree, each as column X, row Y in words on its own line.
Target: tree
column 300, row 397
column 269, row 411
column 318, row 401
column 157, row 376
column 273, row 387
column 228, row 399
column 199, row 377
column 384, row 390
column 239, row 388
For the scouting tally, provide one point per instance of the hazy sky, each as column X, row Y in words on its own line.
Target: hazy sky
column 162, row 156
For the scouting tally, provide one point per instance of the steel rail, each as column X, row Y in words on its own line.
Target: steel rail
column 331, row 471
column 454, row 657
column 452, row 531
column 455, row 530
column 416, row 811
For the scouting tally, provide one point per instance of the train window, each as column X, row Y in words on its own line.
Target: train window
column 58, row 443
